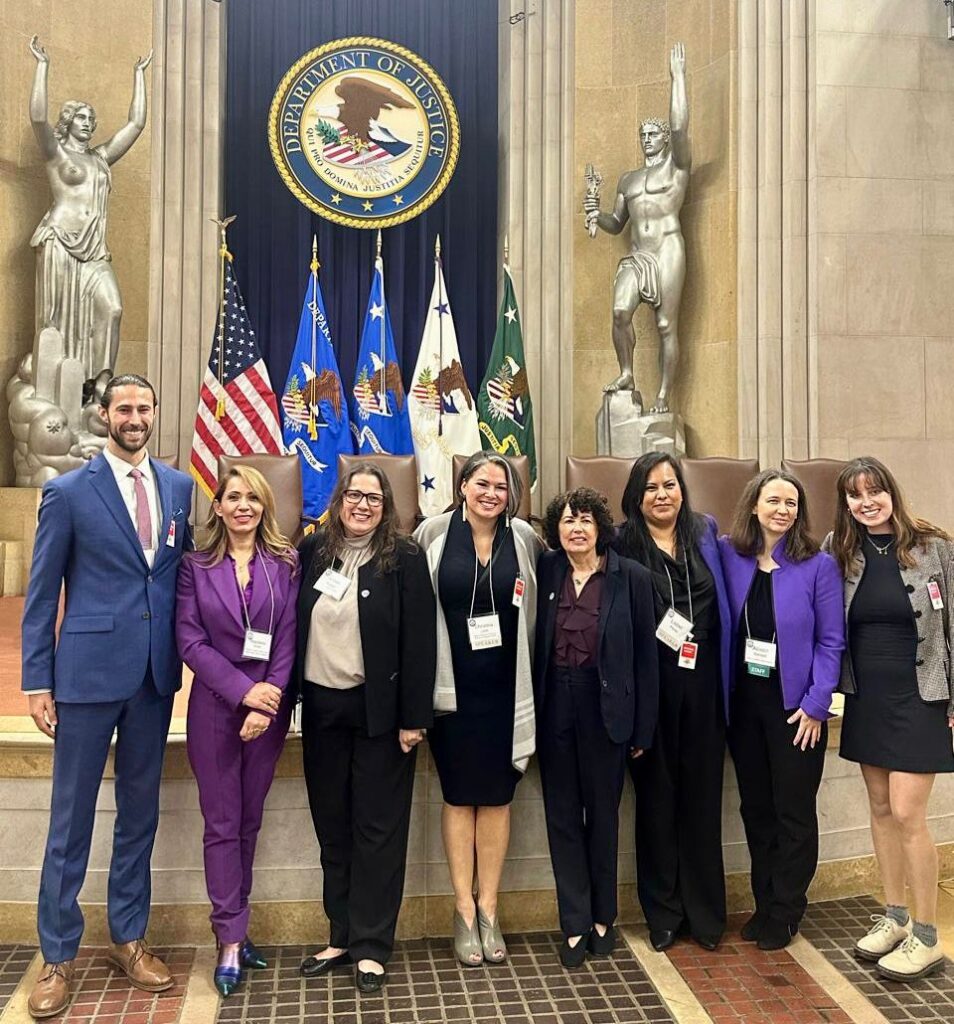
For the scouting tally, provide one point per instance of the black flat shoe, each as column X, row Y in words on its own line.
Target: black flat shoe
column 573, row 956
column 709, row 942
column 752, row 929
column 367, row 982
column 314, row 967
column 602, row 945
column 776, row 934
column 662, row 938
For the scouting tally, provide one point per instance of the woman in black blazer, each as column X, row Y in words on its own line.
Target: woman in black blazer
column 596, row 689
column 365, row 667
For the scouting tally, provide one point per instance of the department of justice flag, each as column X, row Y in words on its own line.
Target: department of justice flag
column 314, row 411
column 504, row 409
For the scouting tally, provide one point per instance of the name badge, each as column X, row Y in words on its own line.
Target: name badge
column 759, row 657
column 171, row 535
column 258, row 645
column 674, row 629
column 934, row 593
column 333, row 583
column 688, row 653
column 519, row 586
column 484, row 632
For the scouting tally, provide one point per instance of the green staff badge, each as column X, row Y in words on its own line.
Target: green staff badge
column 364, row 132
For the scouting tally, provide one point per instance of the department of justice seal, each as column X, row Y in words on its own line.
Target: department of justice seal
column 364, row 132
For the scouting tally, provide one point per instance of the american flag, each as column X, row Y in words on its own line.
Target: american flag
column 247, row 419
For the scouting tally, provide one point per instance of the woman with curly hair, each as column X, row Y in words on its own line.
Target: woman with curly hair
column 899, row 712
column 596, row 688
column 365, row 671
column 235, row 628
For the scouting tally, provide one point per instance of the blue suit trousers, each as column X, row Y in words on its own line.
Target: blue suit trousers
column 81, row 747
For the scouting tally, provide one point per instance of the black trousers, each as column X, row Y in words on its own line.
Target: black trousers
column 678, row 783
column 359, row 790
column 778, row 784
column 581, row 770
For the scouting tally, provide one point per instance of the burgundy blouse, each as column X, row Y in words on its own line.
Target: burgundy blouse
column 576, row 637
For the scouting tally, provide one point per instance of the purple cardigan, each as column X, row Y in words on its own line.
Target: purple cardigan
column 210, row 626
column 809, row 622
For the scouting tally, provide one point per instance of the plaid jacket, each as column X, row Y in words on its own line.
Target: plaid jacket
column 933, row 665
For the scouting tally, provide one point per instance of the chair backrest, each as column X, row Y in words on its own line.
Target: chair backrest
column 401, row 471
column 818, row 477
column 715, row 485
column 283, row 474
column 520, row 464
column 172, row 461
column 604, row 473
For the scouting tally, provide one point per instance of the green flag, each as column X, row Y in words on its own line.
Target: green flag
column 504, row 410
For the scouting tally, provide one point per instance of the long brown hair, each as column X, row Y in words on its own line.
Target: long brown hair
column 268, row 536
column 384, row 544
column 746, row 532
column 909, row 531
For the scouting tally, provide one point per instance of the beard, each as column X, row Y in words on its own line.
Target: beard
column 127, row 442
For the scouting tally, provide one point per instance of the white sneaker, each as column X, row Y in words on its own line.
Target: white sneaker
column 911, row 960
column 884, row 935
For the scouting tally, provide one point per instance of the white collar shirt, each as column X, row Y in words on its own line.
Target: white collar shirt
column 127, row 488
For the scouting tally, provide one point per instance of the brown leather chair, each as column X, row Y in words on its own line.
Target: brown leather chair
column 401, row 471
column 520, row 464
column 172, row 461
column 715, row 485
column 604, row 473
column 283, row 473
column 818, row 477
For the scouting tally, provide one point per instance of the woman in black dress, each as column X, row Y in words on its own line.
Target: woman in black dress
column 483, row 568
column 898, row 709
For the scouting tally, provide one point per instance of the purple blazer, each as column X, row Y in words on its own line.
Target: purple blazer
column 809, row 622
column 210, row 625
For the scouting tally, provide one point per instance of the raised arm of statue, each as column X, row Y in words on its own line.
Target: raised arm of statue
column 679, row 109
column 122, row 141
column 42, row 129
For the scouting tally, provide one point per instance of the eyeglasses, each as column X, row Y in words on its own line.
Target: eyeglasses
column 373, row 499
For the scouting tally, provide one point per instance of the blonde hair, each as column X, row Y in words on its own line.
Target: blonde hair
column 268, row 536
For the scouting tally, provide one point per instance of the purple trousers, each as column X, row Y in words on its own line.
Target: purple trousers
column 234, row 777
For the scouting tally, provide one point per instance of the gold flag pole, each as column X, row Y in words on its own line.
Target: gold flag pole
column 224, row 255
column 440, row 335
column 507, row 252
column 312, row 424
column 383, row 402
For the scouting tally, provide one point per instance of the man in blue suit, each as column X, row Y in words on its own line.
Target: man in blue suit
column 113, row 532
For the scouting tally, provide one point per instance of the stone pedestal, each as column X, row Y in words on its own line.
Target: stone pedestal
column 624, row 430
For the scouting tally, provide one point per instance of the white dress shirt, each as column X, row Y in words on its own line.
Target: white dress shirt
column 127, row 488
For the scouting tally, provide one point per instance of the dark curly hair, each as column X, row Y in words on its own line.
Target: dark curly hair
column 582, row 499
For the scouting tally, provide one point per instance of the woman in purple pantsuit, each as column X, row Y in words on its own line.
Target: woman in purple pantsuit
column 235, row 628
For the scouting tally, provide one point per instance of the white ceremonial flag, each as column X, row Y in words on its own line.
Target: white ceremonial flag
column 441, row 406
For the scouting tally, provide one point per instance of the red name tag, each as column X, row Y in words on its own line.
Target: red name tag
column 519, row 586
column 934, row 593
column 688, row 652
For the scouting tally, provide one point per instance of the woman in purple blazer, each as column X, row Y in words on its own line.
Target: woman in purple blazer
column 235, row 628
column 788, row 631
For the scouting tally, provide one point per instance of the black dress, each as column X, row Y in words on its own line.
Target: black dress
column 886, row 723
column 473, row 746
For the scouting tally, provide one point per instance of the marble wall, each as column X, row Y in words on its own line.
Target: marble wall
column 622, row 76
column 92, row 49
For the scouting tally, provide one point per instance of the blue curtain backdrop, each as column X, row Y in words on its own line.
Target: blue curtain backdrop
column 271, row 239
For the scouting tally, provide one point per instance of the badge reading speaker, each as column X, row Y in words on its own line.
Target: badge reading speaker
column 364, row 132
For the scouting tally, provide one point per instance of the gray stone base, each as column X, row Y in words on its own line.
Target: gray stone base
column 624, row 430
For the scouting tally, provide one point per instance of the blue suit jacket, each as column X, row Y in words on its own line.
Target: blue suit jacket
column 119, row 617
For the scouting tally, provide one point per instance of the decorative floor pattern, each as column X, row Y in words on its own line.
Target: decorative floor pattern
column 426, row 986
column 104, row 996
column 835, row 926
column 14, row 961
column 741, row 983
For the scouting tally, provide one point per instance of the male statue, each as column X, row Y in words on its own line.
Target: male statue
column 650, row 198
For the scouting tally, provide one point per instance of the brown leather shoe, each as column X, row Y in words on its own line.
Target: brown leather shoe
column 143, row 969
column 51, row 993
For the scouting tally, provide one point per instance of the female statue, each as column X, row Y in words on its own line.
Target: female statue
column 76, row 288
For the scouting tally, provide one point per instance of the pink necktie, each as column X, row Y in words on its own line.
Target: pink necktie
column 143, row 516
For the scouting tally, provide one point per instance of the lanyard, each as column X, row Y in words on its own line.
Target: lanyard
column 271, row 594
column 672, row 592
column 473, row 596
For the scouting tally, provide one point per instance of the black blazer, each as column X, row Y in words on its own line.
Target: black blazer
column 397, row 621
column 627, row 660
